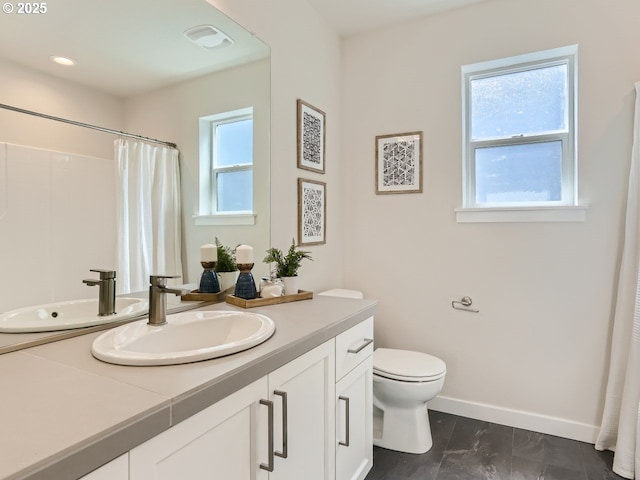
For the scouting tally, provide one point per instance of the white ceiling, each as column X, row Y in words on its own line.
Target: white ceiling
column 123, row 47
column 349, row 17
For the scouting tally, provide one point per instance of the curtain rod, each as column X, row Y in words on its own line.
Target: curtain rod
column 86, row 125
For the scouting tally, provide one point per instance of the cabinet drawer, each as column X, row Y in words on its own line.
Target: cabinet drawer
column 353, row 346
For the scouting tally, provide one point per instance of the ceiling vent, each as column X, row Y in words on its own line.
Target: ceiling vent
column 207, row 36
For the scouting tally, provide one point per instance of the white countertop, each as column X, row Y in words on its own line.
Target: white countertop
column 64, row 413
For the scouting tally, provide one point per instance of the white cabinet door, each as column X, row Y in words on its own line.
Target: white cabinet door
column 354, row 419
column 304, row 389
column 221, row 441
column 117, row 469
column 230, row 440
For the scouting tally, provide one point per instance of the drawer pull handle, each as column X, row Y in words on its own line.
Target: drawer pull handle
column 285, row 429
column 269, row 466
column 365, row 344
column 346, row 422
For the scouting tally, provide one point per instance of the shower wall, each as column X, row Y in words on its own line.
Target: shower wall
column 57, row 218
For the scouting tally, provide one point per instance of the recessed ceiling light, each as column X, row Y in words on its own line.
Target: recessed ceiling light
column 66, row 61
column 207, row 36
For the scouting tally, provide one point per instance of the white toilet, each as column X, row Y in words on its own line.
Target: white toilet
column 403, row 382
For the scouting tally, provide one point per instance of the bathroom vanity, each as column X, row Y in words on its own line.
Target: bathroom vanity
column 297, row 406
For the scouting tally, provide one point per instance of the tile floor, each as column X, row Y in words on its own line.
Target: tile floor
column 468, row 449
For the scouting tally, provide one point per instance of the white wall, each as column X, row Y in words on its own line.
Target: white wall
column 305, row 63
column 540, row 344
column 31, row 90
column 173, row 112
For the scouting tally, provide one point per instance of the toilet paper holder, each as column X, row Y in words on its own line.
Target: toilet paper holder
column 464, row 304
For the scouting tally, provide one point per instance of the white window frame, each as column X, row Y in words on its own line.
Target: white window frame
column 566, row 209
column 208, row 209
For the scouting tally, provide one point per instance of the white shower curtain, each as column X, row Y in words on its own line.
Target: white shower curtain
column 620, row 429
column 148, row 210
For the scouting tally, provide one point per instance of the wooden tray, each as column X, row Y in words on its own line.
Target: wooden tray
column 261, row 302
column 196, row 296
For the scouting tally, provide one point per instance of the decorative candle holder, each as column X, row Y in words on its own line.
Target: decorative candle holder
column 245, row 285
column 209, row 280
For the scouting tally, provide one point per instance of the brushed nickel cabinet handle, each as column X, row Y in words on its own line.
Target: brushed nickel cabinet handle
column 346, row 421
column 285, row 428
column 365, row 344
column 269, row 466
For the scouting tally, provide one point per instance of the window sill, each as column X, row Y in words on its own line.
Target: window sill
column 566, row 213
column 225, row 219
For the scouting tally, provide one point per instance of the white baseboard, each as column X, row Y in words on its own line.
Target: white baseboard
column 559, row 427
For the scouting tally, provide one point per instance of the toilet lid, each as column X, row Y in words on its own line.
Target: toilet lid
column 407, row 365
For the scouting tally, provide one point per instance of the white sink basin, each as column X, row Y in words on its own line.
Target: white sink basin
column 187, row 337
column 68, row 315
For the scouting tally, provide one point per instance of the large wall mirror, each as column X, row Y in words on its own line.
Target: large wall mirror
column 135, row 72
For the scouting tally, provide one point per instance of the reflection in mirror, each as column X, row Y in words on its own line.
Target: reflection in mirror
column 135, row 71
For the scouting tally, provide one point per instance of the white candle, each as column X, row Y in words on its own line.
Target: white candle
column 244, row 254
column 208, row 253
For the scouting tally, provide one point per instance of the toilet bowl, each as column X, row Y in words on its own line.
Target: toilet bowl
column 403, row 382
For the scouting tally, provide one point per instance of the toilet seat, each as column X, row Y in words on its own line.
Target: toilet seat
column 407, row 366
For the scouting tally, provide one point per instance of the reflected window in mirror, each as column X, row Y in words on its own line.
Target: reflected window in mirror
column 232, row 165
column 226, row 166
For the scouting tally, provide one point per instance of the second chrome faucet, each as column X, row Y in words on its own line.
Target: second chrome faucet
column 158, row 300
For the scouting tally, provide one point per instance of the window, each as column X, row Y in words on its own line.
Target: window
column 519, row 127
column 232, row 166
column 226, row 166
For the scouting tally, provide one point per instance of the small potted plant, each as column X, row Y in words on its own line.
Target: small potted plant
column 226, row 267
column 287, row 265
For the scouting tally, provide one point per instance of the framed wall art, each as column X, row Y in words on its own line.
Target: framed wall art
column 311, row 137
column 312, row 212
column 399, row 163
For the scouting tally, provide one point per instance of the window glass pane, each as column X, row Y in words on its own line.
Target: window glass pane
column 529, row 102
column 519, row 173
column 234, row 143
column 235, row 191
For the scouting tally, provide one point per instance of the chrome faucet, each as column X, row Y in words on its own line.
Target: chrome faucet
column 158, row 300
column 107, row 295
